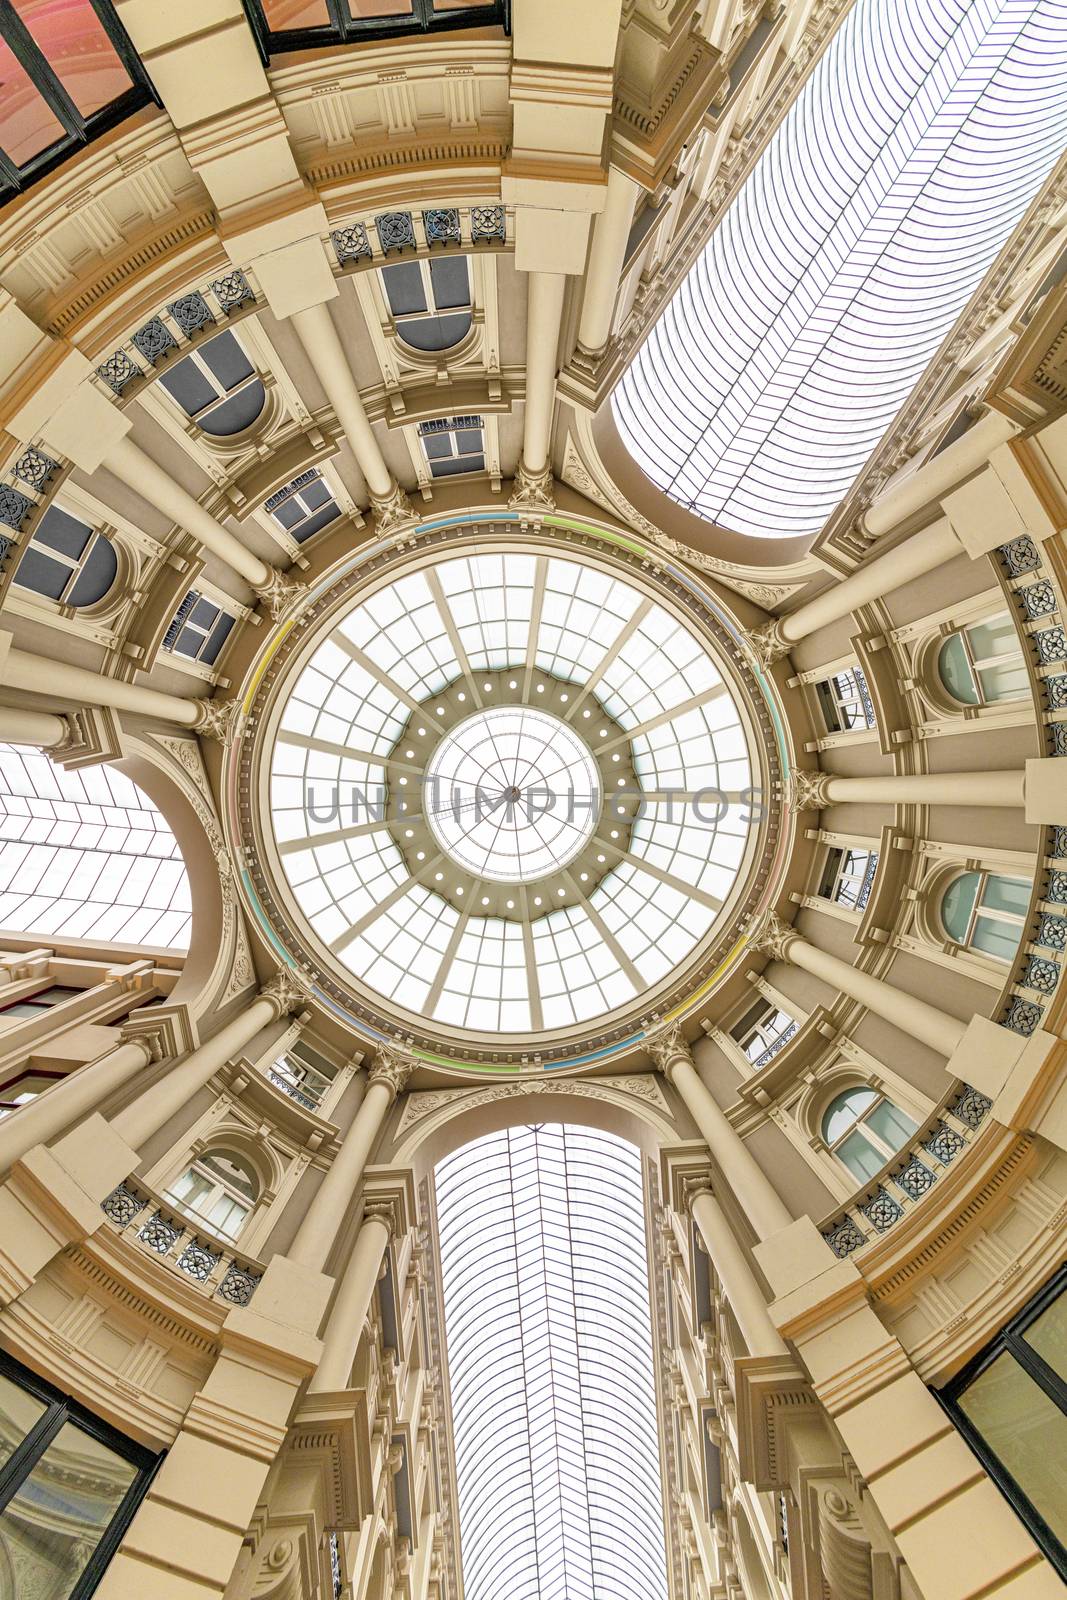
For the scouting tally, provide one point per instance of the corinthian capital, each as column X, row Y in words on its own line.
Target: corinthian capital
column 285, row 991
column 280, row 591
column 668, row 1047
column 767, row 644
column 393, row 510
column 533, row 490
column 808, row 791
column 773, row 937
column 392, row 1068
column 216, row 718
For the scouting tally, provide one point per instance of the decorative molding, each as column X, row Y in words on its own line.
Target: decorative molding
column 286, row 992
column 93, row 735
column 391, row 1067
column 279, row 594
column 216, row 718
column 639, row 1085
column 767, row 643
column 807, row 791
column 165, row 1031
column 393, row 510
column 533, row 490
column 772, row 937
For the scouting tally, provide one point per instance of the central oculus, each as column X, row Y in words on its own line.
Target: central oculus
column 512, row 794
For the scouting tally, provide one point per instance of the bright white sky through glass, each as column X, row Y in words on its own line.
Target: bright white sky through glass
column 86, row 855
column 909, row 156
column 550, row 1367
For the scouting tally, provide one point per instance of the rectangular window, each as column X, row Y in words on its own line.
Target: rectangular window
column 454, row 445
column 199, row 630
column 763, row 1031
column 69, row 1485
column 848, row 876
column 303, row 507
column 303, row 1075
column 1010, row 1404
column 846, row 701
column 34, row 1005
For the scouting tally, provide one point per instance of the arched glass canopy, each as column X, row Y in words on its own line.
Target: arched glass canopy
column 86, row 855
column 551, row 1374
column 908, row 157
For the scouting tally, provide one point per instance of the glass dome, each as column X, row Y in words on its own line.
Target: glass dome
column 510, row 792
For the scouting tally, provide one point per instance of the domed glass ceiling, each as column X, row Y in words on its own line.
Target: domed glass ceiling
column 910, row 154
column 509, row 792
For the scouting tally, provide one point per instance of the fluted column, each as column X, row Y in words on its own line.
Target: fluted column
column 38, row 728
column 734, row 1272
column 318, row 334
column 319, row 1228
column 352, row 1301
column 925, row 1022
column 811, row 791
column 544, row 314
column 755, row 1193
column 23, row 669
column 611, row 229
column 152, row 1109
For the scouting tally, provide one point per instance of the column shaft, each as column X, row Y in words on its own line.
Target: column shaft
column 148, row 1113
column 318, row 334
column 921, row 553
column 75, row 1097
column 611, row 229
column 754, row 1190
column 40, row 674
column 31, row 727
column 351, row 1304
column 737, row 1278
column 543, row 316
column 935, row 1028
column 933, row 789
column 146, row 478
column 936, row 477
column 319, row 1228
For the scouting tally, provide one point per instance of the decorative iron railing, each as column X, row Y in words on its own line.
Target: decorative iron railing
column 773, row 1048
column 159, row 1230
column 911, row 1174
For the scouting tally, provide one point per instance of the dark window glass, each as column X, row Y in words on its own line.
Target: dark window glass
column 403, row 285
column 282, row 14
column 188, row 643
column 227, row 360
column 60, row 531
column 203, row 613
column 437, row 445
column 315, row 495
column 382, row 8
column 188, row 385
column 236, row 413
column 468, row 440
column 96, row 576
column 40, row 573
column 434, row 333
column 316, row 522
column 216, row 639
column 451, row 285
column 73, row 41
column 448, row 469
column 289, row 513
column 27, row 126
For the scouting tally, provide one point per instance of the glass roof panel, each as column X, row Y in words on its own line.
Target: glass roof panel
column 549, row 1341
column 86, row 855
column 908, row 157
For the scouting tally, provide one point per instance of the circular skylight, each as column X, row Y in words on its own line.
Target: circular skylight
column 512, row 794
column 410, row 752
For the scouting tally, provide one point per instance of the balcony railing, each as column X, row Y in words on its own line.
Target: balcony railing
column 911, row 1173
column 147, row 1222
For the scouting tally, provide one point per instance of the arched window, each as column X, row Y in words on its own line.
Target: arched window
column 217, row 386
column 864, row 1129
column 986, row 911
column 67, row 561
column 220, row 1187
column 430, row 301
column 983, row 663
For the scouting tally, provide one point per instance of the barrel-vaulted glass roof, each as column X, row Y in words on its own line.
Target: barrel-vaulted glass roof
column 86, row 855
column 910, row 154
column 549, row 1342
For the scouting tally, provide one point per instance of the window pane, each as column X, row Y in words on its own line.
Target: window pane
column 994, row 637
column 437, row 445
column 289, row 512
column 994, row 938
column 227, row 360
column 203, row 613
column 1006, row 894
column 27, row 126
column 73, row 40
column 315, row 494
column 447, row 469
column 188, row 385
column 843, row 1110
column 955, row 671
column 435, row 333
column 957, row 903
column 451, row 285
column 236, row 413
column 53, row 1523
column 379, row 8
column 1026, row 1431
column 40, row 573
column 1004, row 682
column 217, row 639
column 890, row 1124
column 19, row 1412
column 96, row 576
column 282, row 14
column 860, row 1156
column 1048, row 1335
column 60, row 531
column 188, row 642
column 403, row 285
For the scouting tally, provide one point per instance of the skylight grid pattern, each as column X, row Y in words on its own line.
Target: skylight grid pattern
column 491, row 601
column 409, row 943
column 337, row 885
column 578, row 975
column 549, row 1342
column 654, row 924
column 695, row 751
column 402, row 631
column 319, row 791
column 584, row 611
column 688, row 850
column 86, row 855
column 486, row 986
column 339, row 702
column 660, row 666
column 908, row 157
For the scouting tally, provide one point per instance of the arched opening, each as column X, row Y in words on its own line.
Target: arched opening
column 986, row 911
column 220, row 1187
column 864, row 1129
column 982, row 664
column 550, row 1359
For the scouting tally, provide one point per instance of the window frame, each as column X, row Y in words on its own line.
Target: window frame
column 195, row 354
column 74, row 564
column 219, row 1188
column 977, row 664
column 879, row 1145
column 61, row 1409
column 343, row 28
column 1009, row 1341
column 433, row 312
column 455, row 425
column 186, row 622
column 984, row 875
column 745, row 1032
column 294, row 491
column 845, row 701
column 835, row 876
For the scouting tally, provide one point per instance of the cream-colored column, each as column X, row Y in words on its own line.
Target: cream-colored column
column 814, row 790
column 736, row 1276
column 925, row 1022
column 152, row 1109
column 318, row 1230
column 38, row 728
column 318, row 334
column 543, row 317
column 74, row 1097
column 23, row 669
column 755, row 1193
column 936, row 477
column 611, row 229
column 146, row 478
column 348, row 1313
